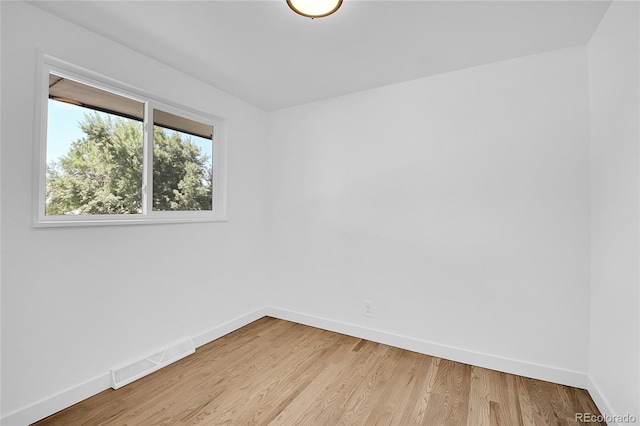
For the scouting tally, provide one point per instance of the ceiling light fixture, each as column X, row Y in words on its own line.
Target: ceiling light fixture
column 314, row 8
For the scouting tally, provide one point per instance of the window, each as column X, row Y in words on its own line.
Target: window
column 110, row 154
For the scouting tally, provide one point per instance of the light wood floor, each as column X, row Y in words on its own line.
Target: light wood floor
column 281, row 373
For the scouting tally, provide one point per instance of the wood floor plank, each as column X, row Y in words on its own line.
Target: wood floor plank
column 540, row 396
column 281, row 386
column 258, row 384
column 526, row 407
column 396, row 394
column 418, row 399
column 448, row 404
column 274, row 372
column 334, row 405
column 511, row 404
column 479, row 407
column 368, row 392
column 499, row 400
column 300, row 410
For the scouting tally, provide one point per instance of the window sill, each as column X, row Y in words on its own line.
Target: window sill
column 57, row 223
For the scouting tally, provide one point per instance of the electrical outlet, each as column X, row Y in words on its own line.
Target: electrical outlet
column 368, row 308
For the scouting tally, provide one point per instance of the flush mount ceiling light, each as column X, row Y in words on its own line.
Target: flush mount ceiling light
column 314, row 8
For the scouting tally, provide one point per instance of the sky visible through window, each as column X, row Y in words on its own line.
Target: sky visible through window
column 63, row 129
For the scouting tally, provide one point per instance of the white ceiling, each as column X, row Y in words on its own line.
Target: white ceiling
column 262, row 52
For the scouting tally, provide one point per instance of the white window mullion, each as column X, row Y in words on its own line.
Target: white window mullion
column 147, row 166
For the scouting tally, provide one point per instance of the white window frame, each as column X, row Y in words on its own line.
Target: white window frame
column 49, row 64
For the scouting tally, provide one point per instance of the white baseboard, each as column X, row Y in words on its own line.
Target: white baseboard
column 598, row 398
column 55, row 403
column 521, row 368
column 85, row 390
column 227, row 327
column 64, row 399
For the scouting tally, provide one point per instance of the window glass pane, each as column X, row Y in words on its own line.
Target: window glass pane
column 182, row 163
column 94, row 156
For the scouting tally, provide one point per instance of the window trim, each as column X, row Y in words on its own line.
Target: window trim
column 48, row 64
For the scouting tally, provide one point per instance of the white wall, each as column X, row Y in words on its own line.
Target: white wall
column 458, row 204
column 615, row 134
column 77, row 302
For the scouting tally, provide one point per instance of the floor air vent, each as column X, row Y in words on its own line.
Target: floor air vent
column 130, row 372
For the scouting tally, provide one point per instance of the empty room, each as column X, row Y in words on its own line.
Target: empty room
column 365, row 212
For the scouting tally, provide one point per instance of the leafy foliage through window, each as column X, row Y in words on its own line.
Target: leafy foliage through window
column 102, row 171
